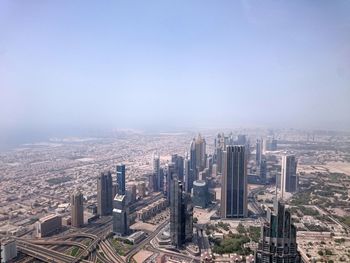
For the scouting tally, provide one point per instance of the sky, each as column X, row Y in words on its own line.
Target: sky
column 162, row 64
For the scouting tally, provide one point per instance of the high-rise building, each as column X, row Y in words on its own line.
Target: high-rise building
column 156, row 180
column 289, row 179
column 8, row 250
column 171, row 171
column 178, row 161
column 259, row 145
column 278, row 237
column 263, row 170
column 241, row 139
column 120, row 216
column 269, row 144
column 77, row 205
column 200, row 146
column 234, row 183
column 120, row 179
column 188, row 180
column 200, row 194
column 47, row 225
column 104, row 194
column 193, row 173
column 220, row 146
column 141, row 187
column 181, row 214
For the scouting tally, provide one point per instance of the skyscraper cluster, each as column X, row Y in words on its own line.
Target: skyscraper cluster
column 112, row 201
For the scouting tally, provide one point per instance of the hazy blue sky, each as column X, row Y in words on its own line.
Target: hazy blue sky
column 174, row 63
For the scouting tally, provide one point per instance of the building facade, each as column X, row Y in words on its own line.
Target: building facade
column 120, row 179
column 120, row 216
column 77, row 209
column 289, row 178
column 278, row 238
column 181, row 214
column 234, row 183
column 104, row 194
column 48, row 225
column 200, row 194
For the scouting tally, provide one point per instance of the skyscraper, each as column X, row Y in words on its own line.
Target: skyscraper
column 219, row 150
column 188, row 180
column 289, row 179
column 120, row 179
column 178, row 161
column 156, row 173
column 120, row 215
column 104, row 194
column 181, row 214
column 263, row 170
column 170, row 173
column 200, row 146
column 259, row 145
column 234, row 183
column 77, row 209
column 278, row 237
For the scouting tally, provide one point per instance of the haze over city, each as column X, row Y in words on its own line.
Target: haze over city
column 68, row 67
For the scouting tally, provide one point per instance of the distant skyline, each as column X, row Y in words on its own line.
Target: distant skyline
column 67, row 66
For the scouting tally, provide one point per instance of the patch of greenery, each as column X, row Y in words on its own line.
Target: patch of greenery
column 75, row 251
column 241, row 229
column 224, row 226
column 254, row 233
column 232, row 243
column 59, row 180
column 120, row 247
column 309, row 211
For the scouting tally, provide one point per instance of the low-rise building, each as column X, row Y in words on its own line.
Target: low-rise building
column 48, row 225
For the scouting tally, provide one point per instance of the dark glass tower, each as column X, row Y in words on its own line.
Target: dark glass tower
column 289, row 178
column 179, row 166
column 278, row 238
column 181, row 214
column 104, row 194
column 120, row 179
column 234, row 183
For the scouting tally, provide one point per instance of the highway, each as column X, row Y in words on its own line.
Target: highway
column 44, row 254
column 139, row 246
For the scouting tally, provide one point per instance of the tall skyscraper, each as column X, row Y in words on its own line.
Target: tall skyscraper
column 104, row 194
column 120, row 215
column 170, row 173
column 241, row 139
column 219, row 151
column 193, row 173
column 178, row 161
column 181, row 214
column 259, row 145
column 77, row 209
column 120, row 179
column 234, row 183
column 156, row 173
column 278, row 238
column 200, row 146
column 289, row 179
column 188, row 180
column 263, row 170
